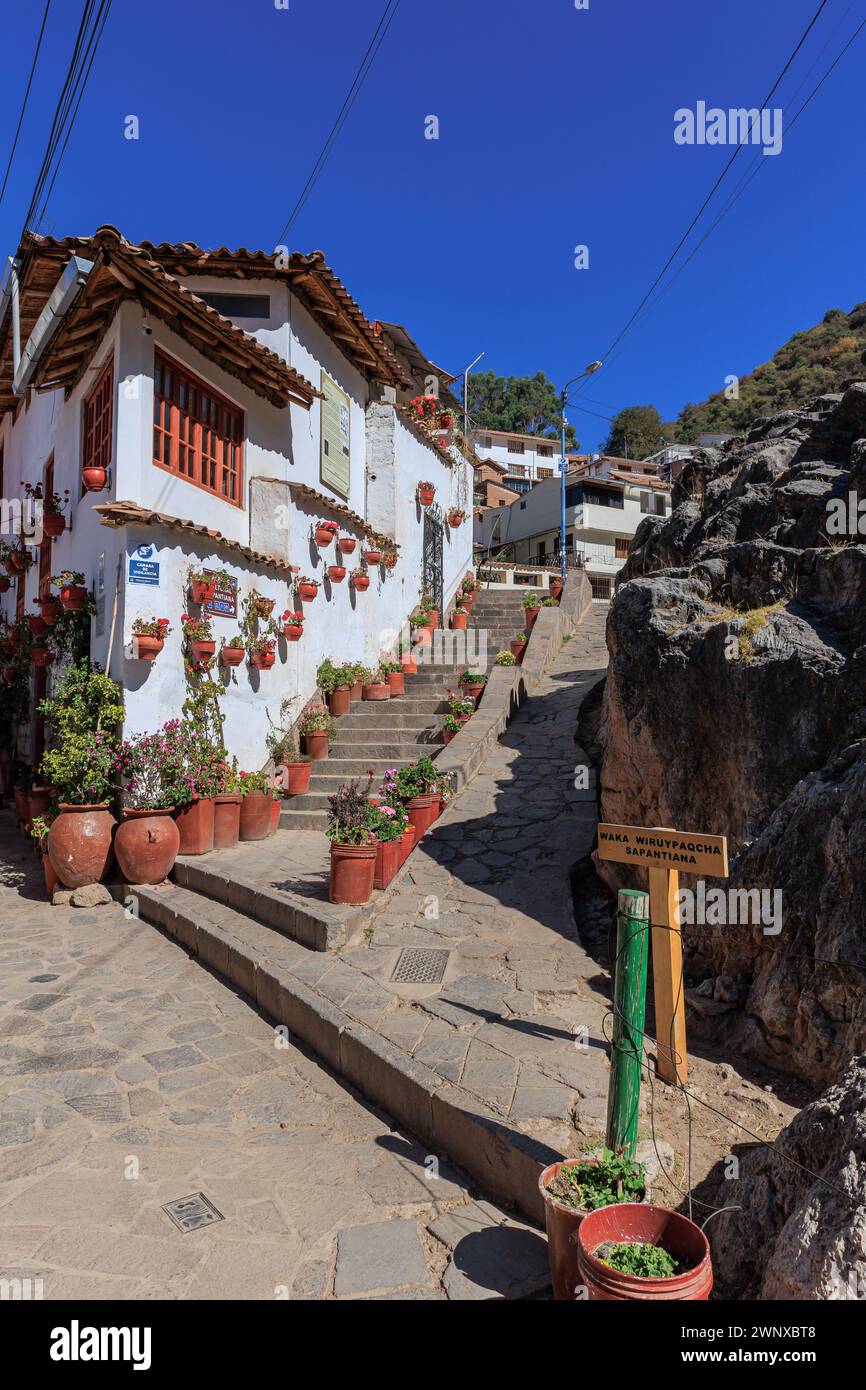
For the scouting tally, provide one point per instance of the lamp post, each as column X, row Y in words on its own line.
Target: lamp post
column 588, row 371
column 472, row 364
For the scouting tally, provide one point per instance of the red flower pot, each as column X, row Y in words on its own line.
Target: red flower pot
column 433, row 618
column 201, row 652
column 629, row 1222
column 517, row 650
column 232, row 656
column 38, row 801
column 360, row 581
column 356, row 691
column 422, row 813
column 146, row 844
column 293, row 632
column 36, row 624
column 397, row 683
column 338, row 700
column 409, row 664
column 196, row 825
column 263, row 661
column 407, row 843
column 447, row 735
column 94, row 479
column 473, row 692
column 446, row 421
column 148, row 649
column 426, row 495
column 562, row 1223
column 336, row 573
column 555, row 588
column 298, row 778
column 18, row 560
column 387, row 861
column 454, row 520
column 377, row 690
column 324, row 536
column 255, row 820
column 372, row 557
column 307, row 592
column 276, row 807
column 347, row 544
column 79, row 844
column 73, row 597
column 352, row 871
column 53, row 524
column 459, row 620
column 202, row 590
column 50, row 608
column 41, row 656
column 317, row 744
column 530, row 614
column 226, row 819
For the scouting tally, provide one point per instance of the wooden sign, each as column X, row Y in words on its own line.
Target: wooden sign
column 224, row 603
column 664, row 853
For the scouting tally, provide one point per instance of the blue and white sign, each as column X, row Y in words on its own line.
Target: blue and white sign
column 143, row 566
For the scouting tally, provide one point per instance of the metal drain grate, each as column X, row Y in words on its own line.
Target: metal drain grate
column 191, row 1213
column 419, row 967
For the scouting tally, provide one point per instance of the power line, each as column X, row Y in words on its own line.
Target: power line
column 366, row 63
column 24, row 102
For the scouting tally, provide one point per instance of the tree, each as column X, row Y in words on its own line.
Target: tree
column 519, row 404
column 635, row 432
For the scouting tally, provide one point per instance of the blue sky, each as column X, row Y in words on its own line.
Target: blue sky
column 556, row 129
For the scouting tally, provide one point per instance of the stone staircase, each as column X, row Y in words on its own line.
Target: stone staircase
column 378, row 734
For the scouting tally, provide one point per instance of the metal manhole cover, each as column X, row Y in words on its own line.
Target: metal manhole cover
column 416, row 966
column 191, row 1213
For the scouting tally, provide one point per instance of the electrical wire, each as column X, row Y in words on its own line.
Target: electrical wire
column 24, row 102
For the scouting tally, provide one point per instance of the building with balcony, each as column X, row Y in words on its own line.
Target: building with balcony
column 527, row 459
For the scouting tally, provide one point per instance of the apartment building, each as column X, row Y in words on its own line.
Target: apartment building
column 526, row 458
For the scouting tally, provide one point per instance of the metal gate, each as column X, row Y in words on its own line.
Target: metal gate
column 433, row 533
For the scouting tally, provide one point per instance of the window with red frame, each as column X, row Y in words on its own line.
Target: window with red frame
column 196, row 433
column 99, row 420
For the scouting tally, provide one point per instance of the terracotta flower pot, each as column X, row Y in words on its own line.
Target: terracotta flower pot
column 51, row 879
column 196, row 825
column 298, row 779
column 630, row 1222
column 376, row 690
column 201, row 652
column 53, row 524
column 73, row 597
column 433, row 618
column 307, row 592
column 338, row 700
column 387, row 861
column 226, row 819
column 422, row 813
column 530, row 615
column 37, row 802
column 293, row 632
column 397, row 682
column 41, row 656
column 352, row 871
column 407, row 843
column 459, row 620
column 317, row 744
column 36, row 624
column 555, row 588
column 202, row 590
column 356, row 691
column 148, row 649
column 473, row 692
column 324, row 536
column 146, row 844
column 232, row 656
column 347, row 544
column 410, row 665
column 562, row 1223
column 50, row 608
column 517, row 651
column 448, row 734
column 372, row 557
column 426, row 495
column 454, row 520
column 276, row 807
column 255, row 818
column 360, row 581
column 18, row 560
column 336, row 573
column 79, row 844
column 94, row 479
column 263, row 661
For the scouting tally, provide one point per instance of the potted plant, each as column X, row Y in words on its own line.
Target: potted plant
column 94, row 478
column 293, row 768
column 255, row 815
column 52, row 504
column 375, row 685
column 39, row 828
column 199, row 639
column 262, row 652
column 360, row 578
column 202, row 585
column 336, row 683
column 19, row 559
column 424, row 408
column 389, row 557
column 233, row 651
column 550, row 603
column 426, row 493
column 422, row 635
column 227, row 811
column 414, row 787
column 41, row 655
column 456, row 517
column 570, row 1189
column 316, row 727
column 149, row 636
column 50, row 608
column 505, row 659
column 387, row 820
column 347, row 544
column 372, row 555
column 451, row 727
column 336, row 573
column 325, row 531
column 81, row 719
column 428, row 608
column 292, row 625
column 518, row 647
column 258, row 607
column 73, row 594
column 633, row 1251
column 445, row 420
column 307, row 589
column 353, row 845
column 147, row 840
column 530, row 608
column 194, row 774
column 459, row 620
column 472, row 683
column 393, row 673
column 556, row 587
column 407, row 660
column 354, row 672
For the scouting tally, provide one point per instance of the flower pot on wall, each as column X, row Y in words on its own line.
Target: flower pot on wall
column 339, row 700
column 41, row 656
column 146, row 844
column 455, row 519
column 387, row 862
column 352, row 870
column 372, row 557
column 639, row 1222
column 53, row 524
column 147, row 649
column 232, row 656
column 347, row 544
column 226, row 820
column 202, row 590
column 36, row 624
column 360, row 582
column 298, row 778
column 324, row 536
column 517, row 651
column 255, row 817
column 196, row 825
column 94, row 479
column 307, row 592
column 201, row 652
column 263, row 661
column 73, row 597
column 426, row 495
column 336, row 573
column 79, row 844
column 316, row 744
column 50, row 608
column 555, row 588
column 530, row 615
column 293, row 632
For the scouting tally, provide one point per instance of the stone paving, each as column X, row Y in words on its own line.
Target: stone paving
column 131, row 1077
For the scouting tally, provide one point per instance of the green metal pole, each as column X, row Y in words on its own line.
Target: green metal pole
column 629, row 996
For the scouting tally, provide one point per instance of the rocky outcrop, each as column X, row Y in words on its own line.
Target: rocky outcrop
column 796, row 1228
column 736, row 703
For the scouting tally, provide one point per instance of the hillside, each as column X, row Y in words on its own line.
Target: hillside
column 810, row 363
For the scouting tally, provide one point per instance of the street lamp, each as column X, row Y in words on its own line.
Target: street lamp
column 466, row 394
column 588, row 371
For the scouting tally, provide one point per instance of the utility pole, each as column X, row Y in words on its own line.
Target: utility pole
column 563, row 402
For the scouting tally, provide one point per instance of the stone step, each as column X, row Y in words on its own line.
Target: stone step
column 400, row 725
column 296, row 818
column 383, row 749
column 338, row 769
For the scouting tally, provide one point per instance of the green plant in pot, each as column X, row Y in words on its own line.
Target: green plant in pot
column 505, row 659
column 572, row 1188
column 292, row 767
column 317, row 726
column 388, row 821
column 353, row 844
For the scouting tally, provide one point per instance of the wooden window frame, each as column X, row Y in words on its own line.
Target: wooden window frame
column 97, row 440
column 516, row 446
column 203, row 442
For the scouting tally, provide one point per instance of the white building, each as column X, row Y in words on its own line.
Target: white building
column 235, row 401
column 601, row 517
column 526, row 458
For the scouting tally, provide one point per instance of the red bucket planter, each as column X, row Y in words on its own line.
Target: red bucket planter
column 631, row 1222
column 555, row 588
column 353, row 869
column 387, row 862
column 407, row 843
column 53, row 524
column 336, row 573
column 226, row 820
column 372, row 557
column 324, row 536
column 454, row 520
column 147, row 649
column 426, row 495
column 298, row 775
column 202, row 590
column 347, row 544
column 232, row 656
column 338, row 700
column 422, row 812
column 360, row 581
column 263, row 661
column 317, row 744
column 307, row 592
column 255, row 818
column 397, row 683
column 94, row 479
column 73, row 597
column 201, row 652
column 146, row 844
column 562, row 1223
column 196, row 825
column 293, row 632
column 377, row 690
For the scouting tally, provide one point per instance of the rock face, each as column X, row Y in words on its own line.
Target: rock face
column 736, row 703
column 799, row 1236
